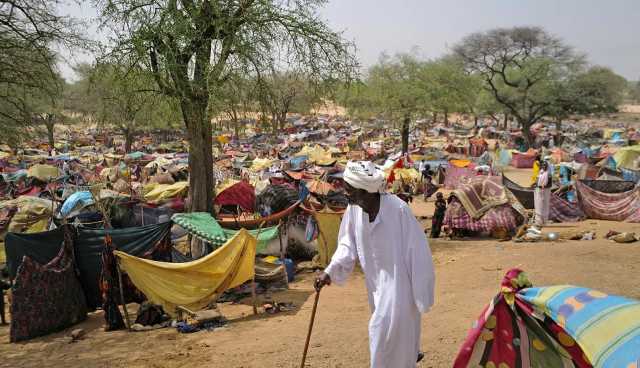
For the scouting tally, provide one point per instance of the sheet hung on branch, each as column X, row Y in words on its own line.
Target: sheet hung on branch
column 193, row 284
column 609, row 206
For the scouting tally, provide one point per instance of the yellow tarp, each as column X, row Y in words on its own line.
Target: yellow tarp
column 329, row 226
column 407, row 175
column 226, row 184
column 160, row 192
column 261, row 164
column 317, row 155
column 43, row 172
column 193, row 284
column 626, row 156
column 460, row 163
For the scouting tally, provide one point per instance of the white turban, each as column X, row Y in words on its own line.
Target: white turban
column 365, row 175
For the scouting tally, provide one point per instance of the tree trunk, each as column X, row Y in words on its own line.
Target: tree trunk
column 446, row 117
column 559, row 137
column 435, row 117
column 405, row 133
column 475, row 121
column 505, row 122
column 128, row 139
column 526, row 133
column 50, row 123
column 201, row 183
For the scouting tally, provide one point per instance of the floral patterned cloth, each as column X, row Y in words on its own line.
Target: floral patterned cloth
column 46, row 298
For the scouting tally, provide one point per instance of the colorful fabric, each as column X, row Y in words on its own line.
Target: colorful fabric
column 160, row 192
column 202, row 225
column 522, row 160
column 193, row 284
column 561, row 210
column 328, row 228
column 46, row 298
column 500, row 217
column 454, row 176
column 610, row 186
column 43, row 172
column 264, row 236
column 605, row 327
column 240, row 194
column 510, row 332
column 481, row 194
column 631, row 175
column 609, row 206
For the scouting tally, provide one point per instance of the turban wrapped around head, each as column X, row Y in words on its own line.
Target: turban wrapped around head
column 365, row 175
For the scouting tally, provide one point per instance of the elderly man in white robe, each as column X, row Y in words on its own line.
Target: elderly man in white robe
column 380, row 231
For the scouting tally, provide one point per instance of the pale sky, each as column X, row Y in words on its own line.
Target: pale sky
column 607, row 31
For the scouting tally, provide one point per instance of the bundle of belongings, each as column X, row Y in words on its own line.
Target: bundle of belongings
column 483, row 206
column 555, row 326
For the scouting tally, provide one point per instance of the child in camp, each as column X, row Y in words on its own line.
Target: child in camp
column 438, row 215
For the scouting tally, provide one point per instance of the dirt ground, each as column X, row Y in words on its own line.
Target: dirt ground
column 468, row 274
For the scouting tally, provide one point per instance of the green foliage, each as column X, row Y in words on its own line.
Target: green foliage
column 522, row 67
column 29, row 29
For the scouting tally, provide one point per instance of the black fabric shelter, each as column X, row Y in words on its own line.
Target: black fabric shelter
column 87, row 246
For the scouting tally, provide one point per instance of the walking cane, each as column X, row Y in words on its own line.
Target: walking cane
column 313, row 317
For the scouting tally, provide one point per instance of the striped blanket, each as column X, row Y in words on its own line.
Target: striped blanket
column 609, row 206
column 557, row 326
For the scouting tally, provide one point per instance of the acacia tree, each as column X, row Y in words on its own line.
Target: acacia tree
column 235, row 101
column 283, row 92
column 394, row 90
column 28, row 31
column 125, row 99
column 519, row 66
column 193, row 46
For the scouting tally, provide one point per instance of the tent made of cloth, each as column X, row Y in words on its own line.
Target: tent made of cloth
column 43, row 172
column 205, row 227
column 155, row 193
column 240, row 194
column 328, row 228
column 627, row 157
column 481, row 194
column 193, row 284
column 555, row 326
column 623, row 206
column 523, row 160
column 46, row 298
column 88, row 245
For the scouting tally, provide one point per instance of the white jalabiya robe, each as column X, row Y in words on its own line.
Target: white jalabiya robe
column 394, row 254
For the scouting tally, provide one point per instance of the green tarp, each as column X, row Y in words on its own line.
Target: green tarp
column 205, row 227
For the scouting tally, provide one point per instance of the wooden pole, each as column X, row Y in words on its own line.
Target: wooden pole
column 313, row 317
column 254, row 297
column 124, row 305
column 282, row 251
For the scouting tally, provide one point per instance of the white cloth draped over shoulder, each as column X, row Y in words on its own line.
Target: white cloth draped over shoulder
column 394, row 254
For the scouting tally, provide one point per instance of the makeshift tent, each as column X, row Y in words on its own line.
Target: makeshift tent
column 523, row 194
column 193, row 284
column 609, row 186
column 75, row 202
column 240, row 194
column 481, row 194
column 33, row 214
column 88, row 244
column 561, row 210
column 623, row 206
column 631, row 175
column 556, row 326
column 456, row 176
column 205, row 227
column 328, row 227
column 46, row 297
column 43, row 172
column 523, row 160
column 627, row 157
column 156, row 193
